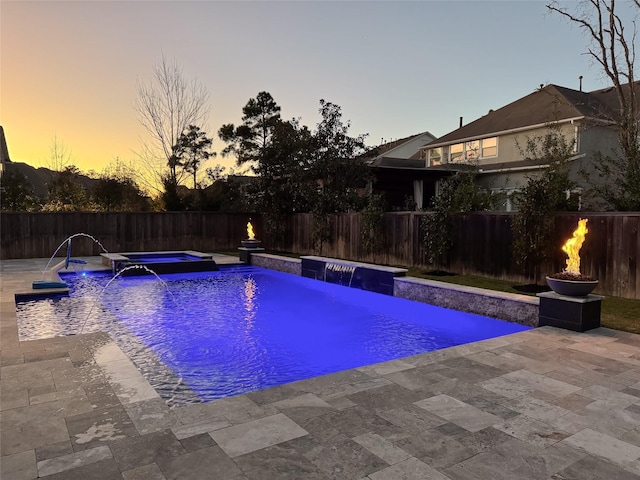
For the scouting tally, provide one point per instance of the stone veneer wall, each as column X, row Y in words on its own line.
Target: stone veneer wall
column 276, row 262
column 512, row 307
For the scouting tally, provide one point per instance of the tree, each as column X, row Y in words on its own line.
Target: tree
column 337, row 161
column 116, row 190
column 371, row 231
column 298, row 170
column 459, row 193
column 542, row 196
column 16, row 192
column 170, row 197
column 216, row 173
column 339, row 169
column 59, row 155
column 65, row 192
column 277, row 151
column 191, row 149
column 283, row 185
column 614, row 51
column 166, row 107
column 249, row 141
column 228, row 193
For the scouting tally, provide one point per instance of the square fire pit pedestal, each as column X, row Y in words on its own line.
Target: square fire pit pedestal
column 245, row 253
column 578, row 314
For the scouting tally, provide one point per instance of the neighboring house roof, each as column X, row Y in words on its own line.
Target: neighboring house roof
column 4, row 151
column 416, row 164
column 404, row 148
column 242, row 179
column 609, row 97
column 385, row 147
column 389, row 162
column 526, row 164
column 549, row 104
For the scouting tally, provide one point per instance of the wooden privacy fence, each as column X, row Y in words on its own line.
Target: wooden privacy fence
column 481, row 241
column 37, row 235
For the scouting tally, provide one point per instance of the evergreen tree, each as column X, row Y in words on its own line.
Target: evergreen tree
column 16, row 192
column 192, row 149
column 544, row 194
column 250, row 141
column 66, row 193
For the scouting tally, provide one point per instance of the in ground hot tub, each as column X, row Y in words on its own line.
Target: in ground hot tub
column 160, row 262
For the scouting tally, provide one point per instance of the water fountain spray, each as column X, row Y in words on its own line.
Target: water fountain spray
column 52, row 283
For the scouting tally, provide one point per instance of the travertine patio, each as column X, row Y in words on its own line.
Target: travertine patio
column 543, row 404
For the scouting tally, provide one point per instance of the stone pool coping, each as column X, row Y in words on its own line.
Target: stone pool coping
column 545, row 403
column 109, row 259
column 277, row 262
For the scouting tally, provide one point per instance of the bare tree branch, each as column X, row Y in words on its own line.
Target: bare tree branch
column 166, row 106
column 59, row 155
column 612, row 49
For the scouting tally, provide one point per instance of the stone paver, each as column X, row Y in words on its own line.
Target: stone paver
column 382, row 448
column 73, row 460
column 251, row 436
column 546, row 404
column 458, row 412
column 19, row 466
column 604, row 446
column 410, row 469
column 146, row 472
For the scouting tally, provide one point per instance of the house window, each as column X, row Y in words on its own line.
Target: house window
column 456, row 153
column 472, row 150
column 490, row 147
column 435, row 156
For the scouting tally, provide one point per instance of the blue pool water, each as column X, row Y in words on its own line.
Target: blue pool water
column 201, row 336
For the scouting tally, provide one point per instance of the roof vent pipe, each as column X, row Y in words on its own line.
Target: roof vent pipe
column 580, row 78
column 460, row 122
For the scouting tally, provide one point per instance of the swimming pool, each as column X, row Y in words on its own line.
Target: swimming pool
column 202, row 336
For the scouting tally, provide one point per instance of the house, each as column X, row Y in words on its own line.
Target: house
column 4, row 151
column 495, row 143
column 400, row 173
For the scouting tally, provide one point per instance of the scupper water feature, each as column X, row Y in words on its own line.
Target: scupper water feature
column 340, row 269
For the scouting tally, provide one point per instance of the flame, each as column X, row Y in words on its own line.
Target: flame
column 573, row 245
column 250, row 233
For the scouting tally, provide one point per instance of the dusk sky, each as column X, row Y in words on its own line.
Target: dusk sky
column 69, row 69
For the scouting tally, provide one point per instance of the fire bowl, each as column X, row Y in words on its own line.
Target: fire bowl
column 251, row 243
column 572, row 288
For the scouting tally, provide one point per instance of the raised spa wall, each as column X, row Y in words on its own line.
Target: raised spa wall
column 521, row 309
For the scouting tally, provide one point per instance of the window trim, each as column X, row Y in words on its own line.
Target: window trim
column 464, row 146
column 482, row 147
column 461, row 158
column 429, row 163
